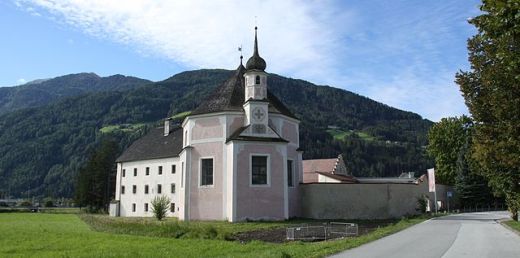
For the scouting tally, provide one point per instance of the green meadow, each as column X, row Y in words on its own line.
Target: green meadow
column 69, row 235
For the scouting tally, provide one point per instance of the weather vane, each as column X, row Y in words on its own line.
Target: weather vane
column 240, row 50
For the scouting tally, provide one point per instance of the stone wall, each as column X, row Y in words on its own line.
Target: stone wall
column 365, row 201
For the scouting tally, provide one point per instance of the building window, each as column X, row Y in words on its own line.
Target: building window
column 147, row 171
column 160, row 170
column 159, row 188
column 257, row 79
column 134, row 189
column 135, row 171
column 206, row 171
column 124, row 172
column 146, row 207
column 172, row 207
column 122, row 189
column 290, row 173
column 133, row 207
column 146, row 189
column 259, row 170
column 173, row 188
column 182, row 174
column 173, row 169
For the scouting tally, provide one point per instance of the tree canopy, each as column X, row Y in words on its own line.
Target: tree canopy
column 491, row 89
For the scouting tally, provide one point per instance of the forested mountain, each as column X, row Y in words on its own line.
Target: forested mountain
column 41, row 149
column 41, row 92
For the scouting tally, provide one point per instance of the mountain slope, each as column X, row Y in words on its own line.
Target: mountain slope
column 42, row 148
column 40, row 92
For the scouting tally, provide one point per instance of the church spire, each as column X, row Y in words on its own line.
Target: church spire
column 256, row 62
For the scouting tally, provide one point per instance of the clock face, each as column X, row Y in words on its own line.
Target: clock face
column 258, row 114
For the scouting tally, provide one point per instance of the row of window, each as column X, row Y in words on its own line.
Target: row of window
column 134, row 206
column 259, row 171
column 147, row 171
column 147, row 189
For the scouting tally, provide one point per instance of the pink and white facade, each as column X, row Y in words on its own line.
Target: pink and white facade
column 236, row 157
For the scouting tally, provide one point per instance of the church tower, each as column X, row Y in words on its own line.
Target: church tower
column 256, row 104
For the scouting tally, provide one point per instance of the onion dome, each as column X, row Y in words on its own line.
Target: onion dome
column 256, row 62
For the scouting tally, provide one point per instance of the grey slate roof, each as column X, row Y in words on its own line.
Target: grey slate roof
column 230, row 96
column 154, row 145
column 235, row 136
column 227, row 97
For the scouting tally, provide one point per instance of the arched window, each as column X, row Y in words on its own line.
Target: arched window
column 257, row 79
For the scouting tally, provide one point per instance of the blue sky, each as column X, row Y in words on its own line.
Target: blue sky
column 402, row 53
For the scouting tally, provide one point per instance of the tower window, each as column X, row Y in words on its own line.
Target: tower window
column 259, row 170
column 290, row 173
column 257, row 79
column 206, row 172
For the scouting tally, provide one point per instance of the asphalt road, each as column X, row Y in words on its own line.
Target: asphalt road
column 461, row 235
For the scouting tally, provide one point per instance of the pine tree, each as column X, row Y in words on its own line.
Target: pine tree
column 95, row 183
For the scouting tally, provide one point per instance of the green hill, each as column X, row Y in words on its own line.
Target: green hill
column 42, row 148
column 41, row 92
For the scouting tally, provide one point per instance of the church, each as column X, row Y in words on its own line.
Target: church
column 236, row 157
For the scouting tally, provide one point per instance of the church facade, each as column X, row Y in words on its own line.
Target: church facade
column 235, row 157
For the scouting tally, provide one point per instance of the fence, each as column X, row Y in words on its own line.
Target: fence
column 482, row 208
column 322, row 232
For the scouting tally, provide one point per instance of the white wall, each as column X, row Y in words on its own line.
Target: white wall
column 152, row 180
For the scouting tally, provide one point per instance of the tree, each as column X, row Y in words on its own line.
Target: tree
column 491, row 90
column 472, row 189
column 160, row 205
column 95, row 183
column 446, row 139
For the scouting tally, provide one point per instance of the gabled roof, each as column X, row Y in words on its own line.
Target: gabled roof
column 154, row 145
column 230, row 96
column 319, row 165
column 341, row 178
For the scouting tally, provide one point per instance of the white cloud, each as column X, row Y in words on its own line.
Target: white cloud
column 202, row 34
column 21, row 81
column 398, row 54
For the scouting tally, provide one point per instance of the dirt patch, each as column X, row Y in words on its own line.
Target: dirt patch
column 278, row 235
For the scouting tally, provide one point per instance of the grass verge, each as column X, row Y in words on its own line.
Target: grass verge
column 58, row 235
column 513, row 224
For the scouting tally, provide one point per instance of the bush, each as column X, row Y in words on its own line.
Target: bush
column 421, row 204
column 160, row 205
column 49, row 204
column 26, row 204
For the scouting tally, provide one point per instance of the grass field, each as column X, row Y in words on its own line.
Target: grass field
column 121, row 127
column 340, row 134
column 66, row 235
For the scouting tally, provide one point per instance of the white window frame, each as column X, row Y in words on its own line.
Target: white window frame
column 292, row 173
column 200, row 172
column 251, row 169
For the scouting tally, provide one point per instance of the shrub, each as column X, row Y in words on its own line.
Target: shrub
column 160, row 205
column 26, row 204
column 49, row 204
column 421, row 204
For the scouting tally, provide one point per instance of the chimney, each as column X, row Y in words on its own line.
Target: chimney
column 167, row 126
